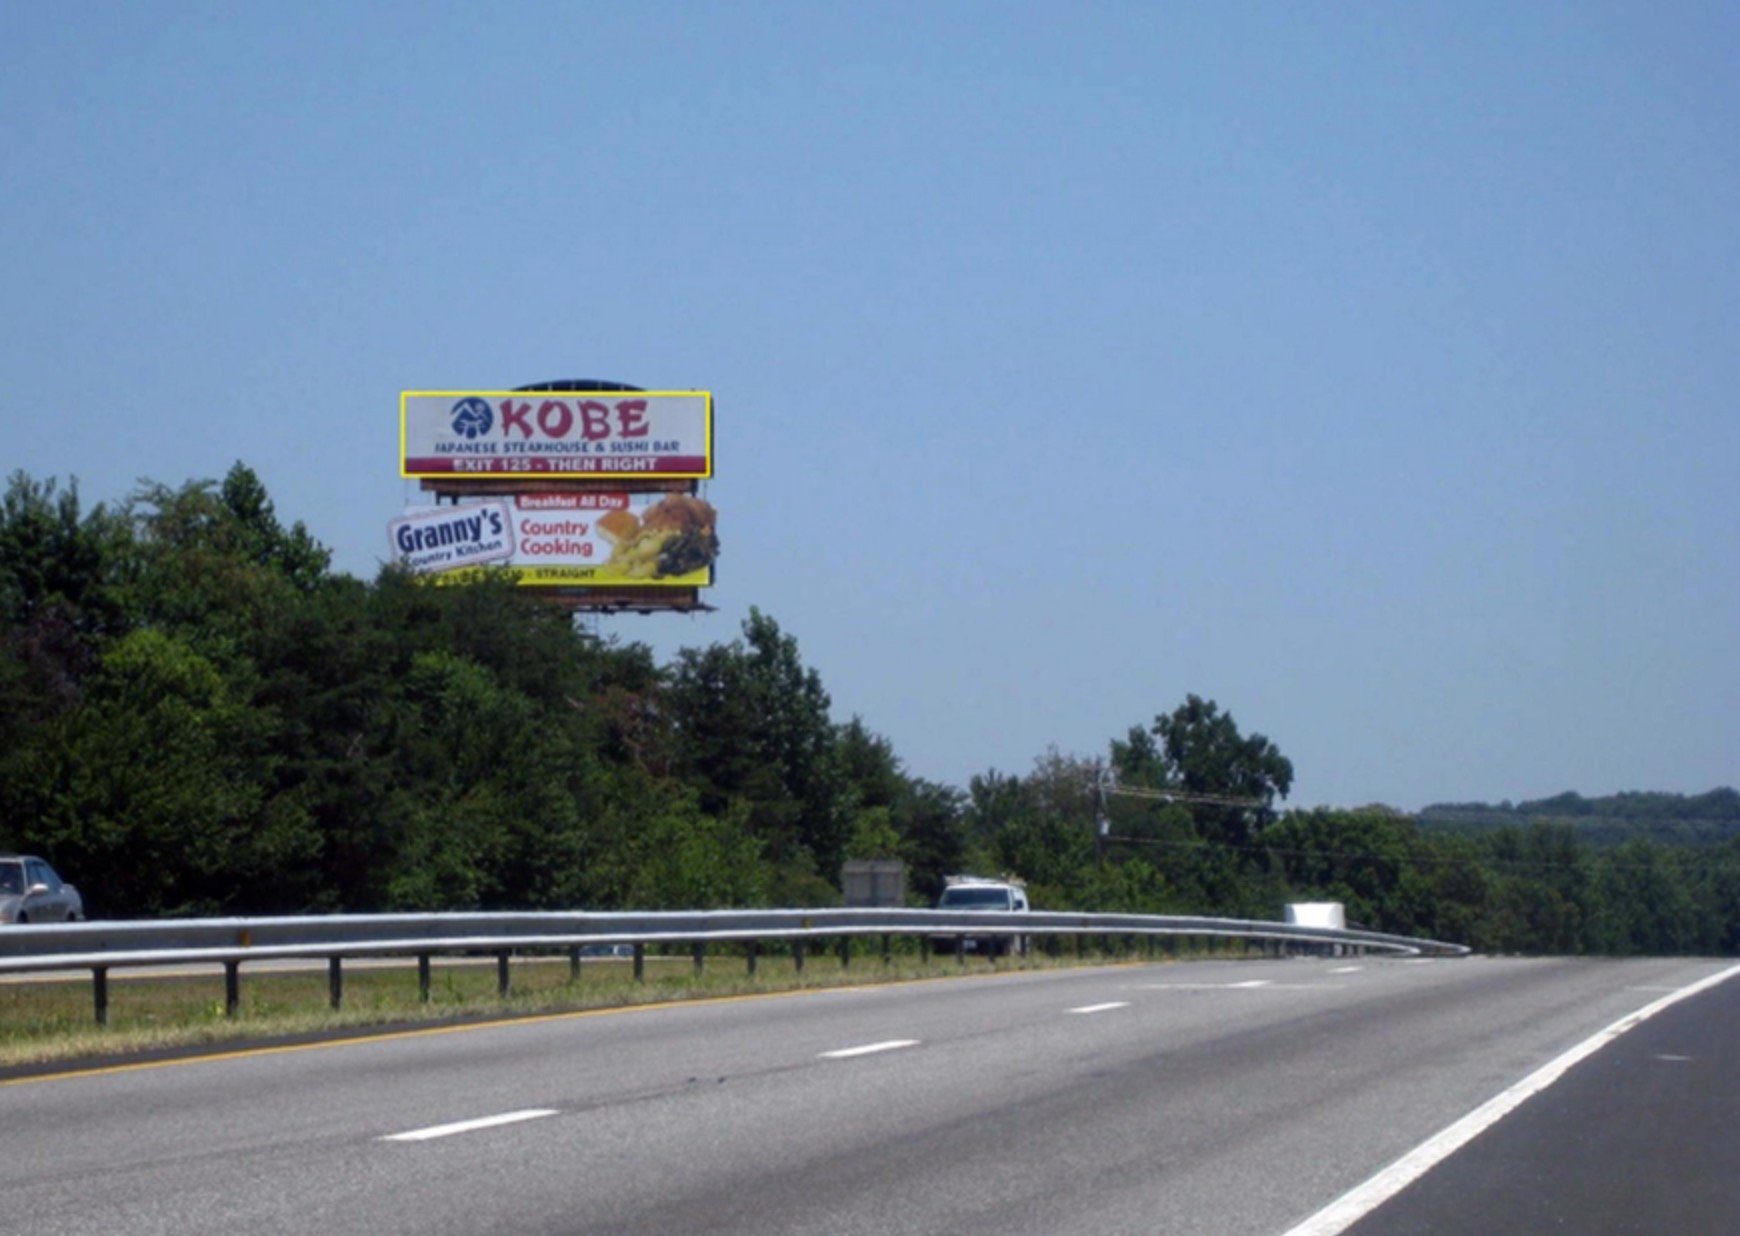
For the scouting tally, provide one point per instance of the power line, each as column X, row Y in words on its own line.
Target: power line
column 1108, row 785
column 1350, row 855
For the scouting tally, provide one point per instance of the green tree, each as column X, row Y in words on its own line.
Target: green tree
column 1040, row 828
column 1458, row 889
column 1538, row 891
column 868, row 765
column 930, row 817
column 63, row 582
column 1646, row 902
column 685, row 859
column 1205, row 848
column 55, row 555
column 754, row 727
column 994, row 800
column 259, row 538
column 157, row 797
column 1201, row 751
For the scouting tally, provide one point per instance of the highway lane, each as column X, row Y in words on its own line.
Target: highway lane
column 1643, row 1137
column 1202, row 1098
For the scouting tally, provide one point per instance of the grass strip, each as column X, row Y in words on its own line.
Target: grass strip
column 51, row 1021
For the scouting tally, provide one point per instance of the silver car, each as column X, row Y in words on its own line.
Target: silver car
column 30, row 892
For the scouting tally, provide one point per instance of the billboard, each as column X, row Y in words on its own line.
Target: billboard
column 443, row 537
column 597, row 434
column 566, row 539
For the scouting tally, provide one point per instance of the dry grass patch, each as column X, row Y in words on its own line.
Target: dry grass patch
column 44, row 1022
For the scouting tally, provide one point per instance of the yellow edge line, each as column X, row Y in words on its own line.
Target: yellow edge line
column 391, row 1036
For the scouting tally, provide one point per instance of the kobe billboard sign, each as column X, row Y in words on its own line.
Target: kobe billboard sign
column 654, row 434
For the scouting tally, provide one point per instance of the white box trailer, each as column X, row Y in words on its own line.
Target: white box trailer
column 1331, row 914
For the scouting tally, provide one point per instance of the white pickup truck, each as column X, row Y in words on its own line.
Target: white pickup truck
column 979, row 893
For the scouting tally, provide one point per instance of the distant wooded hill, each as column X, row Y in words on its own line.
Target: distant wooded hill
column 1672, row 819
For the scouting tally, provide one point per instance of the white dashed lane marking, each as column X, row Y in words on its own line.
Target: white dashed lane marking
column 1101, row 1008
column 1252, row 985
column 468, row 1126
column 847, row 1052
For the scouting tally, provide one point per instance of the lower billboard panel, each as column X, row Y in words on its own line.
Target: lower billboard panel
column 564, row 540
column 608, row 600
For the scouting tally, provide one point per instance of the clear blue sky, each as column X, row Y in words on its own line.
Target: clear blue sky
column 1370, row 369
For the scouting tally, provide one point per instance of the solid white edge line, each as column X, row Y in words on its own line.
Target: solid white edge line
column 847, row 1052
column 468, row 1126
column 1101, row 1008
column 1361, row 1200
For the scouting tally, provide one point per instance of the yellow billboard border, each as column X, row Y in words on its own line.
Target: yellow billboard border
column 614, row 477
column 552, row 576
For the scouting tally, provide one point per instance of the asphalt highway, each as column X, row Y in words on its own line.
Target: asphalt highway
column 1186, row 1098
column 1643, row 1137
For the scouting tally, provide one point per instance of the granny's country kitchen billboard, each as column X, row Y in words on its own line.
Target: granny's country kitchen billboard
column 564, row 539
column 597, row 434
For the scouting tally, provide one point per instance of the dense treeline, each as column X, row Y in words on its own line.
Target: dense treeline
column 1675, row 819
column 197, row 715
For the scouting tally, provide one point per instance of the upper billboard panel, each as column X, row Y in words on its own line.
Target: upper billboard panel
column 619, row 434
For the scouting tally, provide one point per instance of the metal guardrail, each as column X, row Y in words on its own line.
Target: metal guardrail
column 102, row 946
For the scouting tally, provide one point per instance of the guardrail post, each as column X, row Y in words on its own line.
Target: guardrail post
column 501, row 974
column 100, row 993
column 845, row 951
column 750, row 951
column 335, row 981
column 232, row 988
column 574, row 963
column 924, row 950
column 423, row 977
column 960, row 950
column 639, row 962
column 887, row 949
column 700, row 950
column 797, row 955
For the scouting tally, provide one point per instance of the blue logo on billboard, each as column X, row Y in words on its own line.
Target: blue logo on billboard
column 472, row 418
